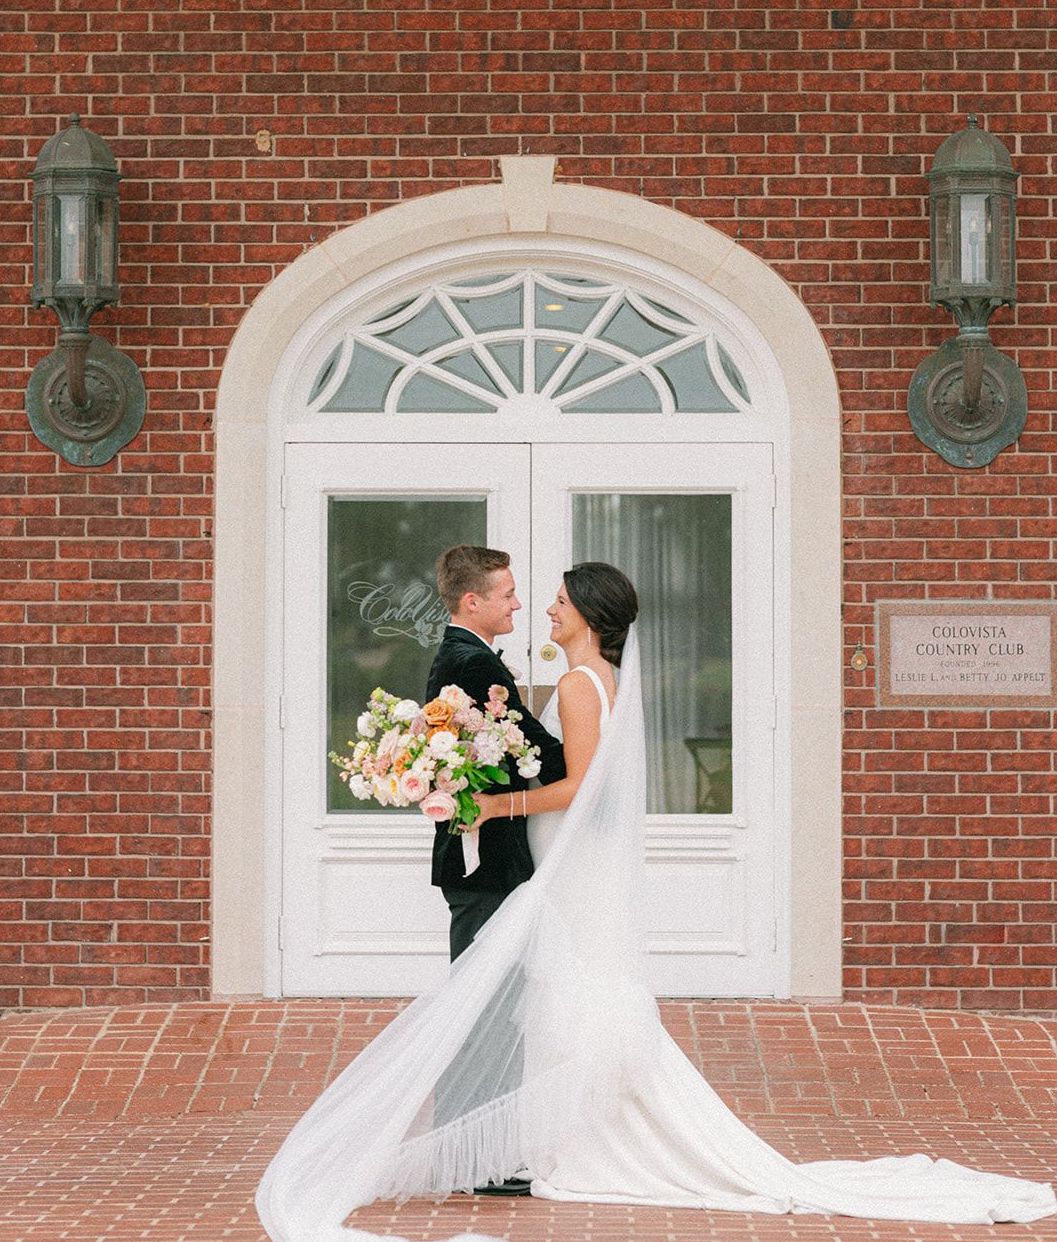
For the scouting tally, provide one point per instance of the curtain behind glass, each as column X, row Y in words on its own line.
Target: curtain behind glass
column 676, row 549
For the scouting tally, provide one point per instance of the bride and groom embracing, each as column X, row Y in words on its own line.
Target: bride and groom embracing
column 541, row 1061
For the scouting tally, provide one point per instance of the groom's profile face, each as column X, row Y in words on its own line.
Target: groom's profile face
column 493, row 610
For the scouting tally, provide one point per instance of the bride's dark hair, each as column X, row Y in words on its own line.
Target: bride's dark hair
column 606, row 600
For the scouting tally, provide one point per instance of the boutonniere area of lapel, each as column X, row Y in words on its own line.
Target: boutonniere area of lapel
column 514, row 672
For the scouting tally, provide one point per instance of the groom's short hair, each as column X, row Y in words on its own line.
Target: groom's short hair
column 467, row 568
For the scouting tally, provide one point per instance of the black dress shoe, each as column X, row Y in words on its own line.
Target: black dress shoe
column 511, row 1188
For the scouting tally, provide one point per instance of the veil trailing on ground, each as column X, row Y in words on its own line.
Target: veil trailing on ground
column 544, row 1051
column 539, row 1020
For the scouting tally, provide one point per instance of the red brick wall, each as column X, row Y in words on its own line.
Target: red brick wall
column 802, row 130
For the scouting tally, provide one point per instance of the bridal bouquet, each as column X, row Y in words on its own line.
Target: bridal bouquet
column 435, row 757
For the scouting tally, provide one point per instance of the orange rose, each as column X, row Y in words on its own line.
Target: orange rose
column 437, row 713
column 444, row 728
column 401, row 763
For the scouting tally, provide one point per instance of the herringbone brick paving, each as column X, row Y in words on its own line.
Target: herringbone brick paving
column 156, row 1122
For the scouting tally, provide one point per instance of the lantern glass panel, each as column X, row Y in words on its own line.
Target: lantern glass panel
column 40, row 246
column 104, row 241
column 975, row 221
column 71, row 240
column 943, row 242
column 1003, row 240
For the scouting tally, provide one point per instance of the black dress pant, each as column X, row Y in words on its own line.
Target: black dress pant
column 460, row 1082
column 470, row 911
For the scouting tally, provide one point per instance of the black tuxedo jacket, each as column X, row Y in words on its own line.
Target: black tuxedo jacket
column 466, row 661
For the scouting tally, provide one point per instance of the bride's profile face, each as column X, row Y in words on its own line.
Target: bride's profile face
column 566, row 623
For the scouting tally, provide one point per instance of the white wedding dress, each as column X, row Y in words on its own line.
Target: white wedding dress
column 542, row 829
column 544, row 1051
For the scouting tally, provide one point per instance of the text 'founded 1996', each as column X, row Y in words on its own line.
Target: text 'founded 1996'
column 966, row 654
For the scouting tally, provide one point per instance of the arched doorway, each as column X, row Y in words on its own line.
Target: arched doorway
column 537, row 382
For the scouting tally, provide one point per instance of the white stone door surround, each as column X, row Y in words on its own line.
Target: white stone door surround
column 527, row 204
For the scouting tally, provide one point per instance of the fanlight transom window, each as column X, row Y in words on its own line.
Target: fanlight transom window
column 481, row 346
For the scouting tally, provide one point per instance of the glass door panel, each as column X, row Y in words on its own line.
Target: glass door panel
column 676, row 549
column 384, row 617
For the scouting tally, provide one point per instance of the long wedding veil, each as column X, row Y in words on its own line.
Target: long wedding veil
column 545, row 1021
column 482, row 1077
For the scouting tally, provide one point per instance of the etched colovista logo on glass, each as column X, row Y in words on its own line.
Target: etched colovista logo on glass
column 414, row 611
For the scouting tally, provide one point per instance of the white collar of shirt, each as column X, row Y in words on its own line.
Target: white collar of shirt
column 455, row 626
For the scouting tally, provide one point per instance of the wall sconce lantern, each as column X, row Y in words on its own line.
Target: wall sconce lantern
column 968, row 401
column 86, row 399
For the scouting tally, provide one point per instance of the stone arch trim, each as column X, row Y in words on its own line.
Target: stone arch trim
column 527, row 201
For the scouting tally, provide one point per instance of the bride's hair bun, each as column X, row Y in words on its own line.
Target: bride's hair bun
column 606, row 599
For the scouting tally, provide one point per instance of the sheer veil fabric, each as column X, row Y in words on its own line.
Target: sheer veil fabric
column 544, row 1051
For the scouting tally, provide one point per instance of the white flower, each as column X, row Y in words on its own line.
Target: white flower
column 365, row 725
column 440, row 744
column 529, row 768
column 384, row 789
column 487, row 749
column 359, row 786
column 516, row 673
column 405, row 710
column 425, row 765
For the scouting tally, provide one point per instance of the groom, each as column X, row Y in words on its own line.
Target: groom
column 477, row 588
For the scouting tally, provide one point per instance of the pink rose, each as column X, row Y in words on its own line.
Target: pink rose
column 446, row 781
column 438, row 805
column 414, row 786
column 387, row 746
column 455, row 697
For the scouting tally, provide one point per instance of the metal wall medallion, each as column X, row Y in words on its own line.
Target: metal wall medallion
column 967, row 430
column 92, row 433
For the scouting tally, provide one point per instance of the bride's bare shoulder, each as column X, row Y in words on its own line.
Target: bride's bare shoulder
column 577, row 693
column 573, row 683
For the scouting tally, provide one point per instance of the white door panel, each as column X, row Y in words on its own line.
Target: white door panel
column 363, row 527
column 691, row 525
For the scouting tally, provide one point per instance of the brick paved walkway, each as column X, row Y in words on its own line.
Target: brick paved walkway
column 156, row 1122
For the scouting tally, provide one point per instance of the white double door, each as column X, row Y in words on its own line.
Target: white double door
column 691, row 525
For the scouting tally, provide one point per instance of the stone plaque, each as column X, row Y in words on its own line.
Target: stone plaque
column 990, row 653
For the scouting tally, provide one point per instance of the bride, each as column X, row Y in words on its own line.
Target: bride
column 544, row 1051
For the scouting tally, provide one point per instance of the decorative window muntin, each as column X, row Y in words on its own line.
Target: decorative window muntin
column 476, row 345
